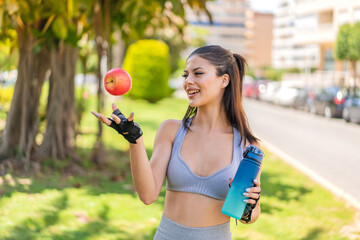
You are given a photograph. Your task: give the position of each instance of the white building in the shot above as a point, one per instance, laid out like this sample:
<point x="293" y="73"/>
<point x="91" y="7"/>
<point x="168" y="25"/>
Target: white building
<point x="305" y="32"/>
<point x="287" y="53"/>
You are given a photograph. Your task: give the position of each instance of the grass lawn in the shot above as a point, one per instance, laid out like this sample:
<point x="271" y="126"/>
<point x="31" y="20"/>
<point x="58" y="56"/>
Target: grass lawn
<point x="83" y="203"/>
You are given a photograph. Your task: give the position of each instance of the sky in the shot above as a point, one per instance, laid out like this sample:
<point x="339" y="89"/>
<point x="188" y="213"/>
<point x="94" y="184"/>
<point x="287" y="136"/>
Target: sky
<point x="263" y="5"/>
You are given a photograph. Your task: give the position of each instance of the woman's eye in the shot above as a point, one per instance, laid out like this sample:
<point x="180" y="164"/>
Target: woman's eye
<point x="196" y="74"/>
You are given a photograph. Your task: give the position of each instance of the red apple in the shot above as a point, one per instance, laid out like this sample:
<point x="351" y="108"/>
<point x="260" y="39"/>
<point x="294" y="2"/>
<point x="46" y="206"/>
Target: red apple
<point x="117" y="82"/>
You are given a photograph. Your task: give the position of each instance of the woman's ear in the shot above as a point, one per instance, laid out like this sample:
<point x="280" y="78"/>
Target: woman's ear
<point x="225" y="80"/>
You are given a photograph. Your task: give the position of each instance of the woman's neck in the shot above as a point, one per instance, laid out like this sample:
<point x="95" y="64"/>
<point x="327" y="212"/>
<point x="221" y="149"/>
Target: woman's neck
<point x="211" y="119"/>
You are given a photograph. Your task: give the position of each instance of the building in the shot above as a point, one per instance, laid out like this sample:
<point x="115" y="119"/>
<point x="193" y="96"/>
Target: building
<point x="237" y="28"/>
<point x="260" y="38"/>
<point x="318" y="23"/>
<point x="305" y="32"/>
<point x="288" y="53"/>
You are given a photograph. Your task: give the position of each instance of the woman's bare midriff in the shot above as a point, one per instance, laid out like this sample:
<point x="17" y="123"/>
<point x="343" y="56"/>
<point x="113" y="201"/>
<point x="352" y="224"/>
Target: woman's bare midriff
<point x="194" y="210"/>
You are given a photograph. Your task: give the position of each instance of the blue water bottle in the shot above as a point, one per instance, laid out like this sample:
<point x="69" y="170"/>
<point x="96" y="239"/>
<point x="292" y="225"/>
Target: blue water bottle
<point x="247" y="171"/>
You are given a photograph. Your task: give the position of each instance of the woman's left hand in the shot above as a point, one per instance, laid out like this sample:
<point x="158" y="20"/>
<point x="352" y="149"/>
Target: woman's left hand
<point x="253" y="193"/>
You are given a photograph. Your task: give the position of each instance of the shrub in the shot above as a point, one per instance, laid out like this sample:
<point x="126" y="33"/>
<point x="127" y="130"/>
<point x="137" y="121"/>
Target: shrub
<point x="147" y="61"/>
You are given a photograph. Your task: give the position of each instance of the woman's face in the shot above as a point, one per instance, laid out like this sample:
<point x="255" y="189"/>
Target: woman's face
<point x="201" y="83"/>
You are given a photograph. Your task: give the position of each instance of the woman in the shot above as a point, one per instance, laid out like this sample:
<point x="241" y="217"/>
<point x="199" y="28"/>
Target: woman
<point x="198" y="155"/>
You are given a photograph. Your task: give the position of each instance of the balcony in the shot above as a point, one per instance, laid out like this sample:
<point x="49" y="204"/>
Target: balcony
<point x="283" y="32"/>
<point x="281" y="12"/>
<point x="314" y="6"/>
<point x="324" y="33"/>
<point x="283" y="21"/>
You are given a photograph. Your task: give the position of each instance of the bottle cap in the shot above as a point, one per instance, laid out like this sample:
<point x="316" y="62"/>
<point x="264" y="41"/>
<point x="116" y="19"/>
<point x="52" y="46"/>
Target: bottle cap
<point x="253" y="149"/>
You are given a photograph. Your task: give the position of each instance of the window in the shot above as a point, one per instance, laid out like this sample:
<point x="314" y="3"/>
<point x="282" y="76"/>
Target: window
<point x="357" y="15"/>
<point x="343" y="17"/>
<point x="329" y="59"/>
<point x="306" y="22"/>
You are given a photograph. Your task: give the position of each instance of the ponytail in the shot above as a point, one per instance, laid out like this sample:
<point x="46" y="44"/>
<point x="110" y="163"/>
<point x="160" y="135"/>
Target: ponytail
<point x="237" y="110"/>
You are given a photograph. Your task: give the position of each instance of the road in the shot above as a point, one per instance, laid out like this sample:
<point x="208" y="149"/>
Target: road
<point x="328" y="147"/>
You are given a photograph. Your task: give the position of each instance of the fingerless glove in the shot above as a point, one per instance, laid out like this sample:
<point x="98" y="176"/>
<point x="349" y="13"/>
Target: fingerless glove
<point x="130" y="130"/>
<point x="248" y="211"/>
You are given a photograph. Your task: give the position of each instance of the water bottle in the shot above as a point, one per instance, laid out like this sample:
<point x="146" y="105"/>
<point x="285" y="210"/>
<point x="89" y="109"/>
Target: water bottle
<point x="247" y="171"/>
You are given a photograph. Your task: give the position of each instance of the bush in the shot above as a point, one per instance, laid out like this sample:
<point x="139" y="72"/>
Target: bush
<point x="147" y="61"/>
<point x="272" y="73"/>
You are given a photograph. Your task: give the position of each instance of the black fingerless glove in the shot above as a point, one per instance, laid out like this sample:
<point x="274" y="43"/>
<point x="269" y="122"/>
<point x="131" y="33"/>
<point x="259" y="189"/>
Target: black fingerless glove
<point x="130" y="130"/>
<point x="248" y="211"/>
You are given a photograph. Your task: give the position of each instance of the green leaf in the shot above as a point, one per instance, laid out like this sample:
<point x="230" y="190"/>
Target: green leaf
<point x="59" y="28"/>
<point x="354" y="42"/>
<point x="70" y="8"/>
<point x="37" y="48"/>
<point x="342" y="42"/>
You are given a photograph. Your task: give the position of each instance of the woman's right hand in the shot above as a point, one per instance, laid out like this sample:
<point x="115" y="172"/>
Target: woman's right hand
<point x="130" y="130"/>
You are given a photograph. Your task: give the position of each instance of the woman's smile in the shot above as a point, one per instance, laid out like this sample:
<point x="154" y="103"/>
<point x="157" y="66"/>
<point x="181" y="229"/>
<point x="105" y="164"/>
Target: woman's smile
<point x="191" y="92"/>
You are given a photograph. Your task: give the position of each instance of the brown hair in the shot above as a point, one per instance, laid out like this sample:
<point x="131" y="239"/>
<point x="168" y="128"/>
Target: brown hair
<point x="233" y="65"/>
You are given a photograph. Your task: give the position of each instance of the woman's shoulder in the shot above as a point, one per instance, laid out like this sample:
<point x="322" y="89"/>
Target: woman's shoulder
<point x="171" y="123"/>
<point x="170" y="127"/>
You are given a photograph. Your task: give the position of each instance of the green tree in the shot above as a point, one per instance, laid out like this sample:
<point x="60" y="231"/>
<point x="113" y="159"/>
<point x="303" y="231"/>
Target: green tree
<point x="47" y="35"/>
<point x="47" y="32"/>
<point x="62" y="39"/>
<point x="347" y="45"/>
<point x="354" y="46"/>
<point x="341" y="50"/>
<point x="8" y="51"/>
<point x="135" y="19"/>
<point x="26" y="18"/>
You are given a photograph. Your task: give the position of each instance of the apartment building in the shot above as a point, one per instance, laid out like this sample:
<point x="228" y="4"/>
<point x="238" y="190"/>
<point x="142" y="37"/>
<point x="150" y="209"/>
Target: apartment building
<point x="305" y="32"/>
<point x="237" y="28"/>
<point x="324" y="17"/>
<point x="259" y="39"/>
<point x="288" y="53"/>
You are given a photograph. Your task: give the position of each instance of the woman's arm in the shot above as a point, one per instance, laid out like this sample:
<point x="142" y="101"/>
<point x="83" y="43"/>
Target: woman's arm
<point x="148" y="176"/>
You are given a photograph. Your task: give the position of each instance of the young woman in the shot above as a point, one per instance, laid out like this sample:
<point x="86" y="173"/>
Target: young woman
<point x="198" y="155"/>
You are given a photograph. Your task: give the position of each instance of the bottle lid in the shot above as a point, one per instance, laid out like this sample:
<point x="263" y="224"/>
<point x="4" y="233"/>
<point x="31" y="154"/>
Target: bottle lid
<point x="256" y="150"/>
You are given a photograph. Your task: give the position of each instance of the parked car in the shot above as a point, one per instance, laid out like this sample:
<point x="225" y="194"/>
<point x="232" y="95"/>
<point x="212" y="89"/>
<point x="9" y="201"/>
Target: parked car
<point x="351" y="112"/>
<point x="254" y="89"/>
<point x="249" y="89"/>
<point x="260" y="88"/>
<point x="248" y="86"/>
<point x="268" y="94"/>
<point x="286" y="95"/>
<point x="329" y="101"/>
<point x="304" y="99"/>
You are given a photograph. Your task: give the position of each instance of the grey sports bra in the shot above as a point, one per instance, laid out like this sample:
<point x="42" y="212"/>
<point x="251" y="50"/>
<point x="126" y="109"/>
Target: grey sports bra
<point x="181" y="178"/>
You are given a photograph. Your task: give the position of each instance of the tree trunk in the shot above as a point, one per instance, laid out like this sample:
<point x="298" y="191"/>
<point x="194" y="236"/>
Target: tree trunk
<point x="118" y="51"/>
<point x="22" y="121"/>
<point x="353" y="72"/>
<point x="58" y="140"/>
<point x="80" y="104"/>
<point x="102" y="31"/>
<point x="98" y="149"/>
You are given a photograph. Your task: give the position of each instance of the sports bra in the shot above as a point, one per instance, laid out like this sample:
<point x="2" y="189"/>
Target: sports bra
<point x="181" y="178"/>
